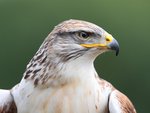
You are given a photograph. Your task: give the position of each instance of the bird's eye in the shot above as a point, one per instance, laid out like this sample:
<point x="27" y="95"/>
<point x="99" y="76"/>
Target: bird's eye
<point x="83" y="35"/>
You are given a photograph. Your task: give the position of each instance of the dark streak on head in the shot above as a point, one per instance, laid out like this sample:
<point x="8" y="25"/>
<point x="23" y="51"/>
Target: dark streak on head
<point x="33" y="76"/>
<point x="36" y="81"/>
<point x="38" y="57"/>
<point x="37" y="70"/>
<point x="43" y="60"/>
<point x="28" y="72"/>
<point x="73" y="55"/>
<point x="26" y="76"/>
<point x="34" y="64"/>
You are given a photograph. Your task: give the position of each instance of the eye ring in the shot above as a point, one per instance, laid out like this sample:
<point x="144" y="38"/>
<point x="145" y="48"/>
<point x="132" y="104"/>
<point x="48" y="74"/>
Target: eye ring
<point x="83" y="35"/>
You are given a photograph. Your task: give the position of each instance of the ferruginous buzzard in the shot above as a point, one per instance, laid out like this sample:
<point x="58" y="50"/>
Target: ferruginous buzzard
<point x="61" y="77"/>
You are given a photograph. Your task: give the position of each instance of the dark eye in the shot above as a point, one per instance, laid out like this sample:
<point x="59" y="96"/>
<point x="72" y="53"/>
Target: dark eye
<point x="83" y="35"/>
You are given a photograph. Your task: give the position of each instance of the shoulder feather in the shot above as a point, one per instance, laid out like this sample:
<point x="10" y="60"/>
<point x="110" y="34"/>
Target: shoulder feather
<point x="7" y="104"/>
<point x="119" y="103"/>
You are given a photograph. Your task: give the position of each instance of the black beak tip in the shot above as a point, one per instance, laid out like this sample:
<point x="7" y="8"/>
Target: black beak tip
<point x="117" y="52"/>
<point x="115" y="46"/>
<point x="116" y="49"/>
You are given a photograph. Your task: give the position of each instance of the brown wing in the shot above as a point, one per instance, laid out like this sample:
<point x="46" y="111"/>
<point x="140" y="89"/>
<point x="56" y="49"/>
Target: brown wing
<point x="7" y="104"/>
<point x="119" y="103"/>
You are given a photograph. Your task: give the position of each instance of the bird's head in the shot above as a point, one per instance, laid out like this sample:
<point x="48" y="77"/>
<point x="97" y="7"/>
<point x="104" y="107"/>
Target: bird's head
<point x="75" y="38"/>
<point x="72" y="45"/>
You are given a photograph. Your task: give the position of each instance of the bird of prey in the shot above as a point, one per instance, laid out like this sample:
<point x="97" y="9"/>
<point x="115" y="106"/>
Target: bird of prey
<point x="61" y="77"/>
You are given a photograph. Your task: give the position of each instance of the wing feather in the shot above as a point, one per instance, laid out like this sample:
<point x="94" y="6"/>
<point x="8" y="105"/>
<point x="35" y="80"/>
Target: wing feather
<point x="7" y="104"/>
<point x="119" y="103"/>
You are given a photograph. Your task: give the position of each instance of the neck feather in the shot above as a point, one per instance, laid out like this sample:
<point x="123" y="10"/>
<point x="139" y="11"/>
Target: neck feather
<point x="46" y="71"/>
<point x="47" y="68"/>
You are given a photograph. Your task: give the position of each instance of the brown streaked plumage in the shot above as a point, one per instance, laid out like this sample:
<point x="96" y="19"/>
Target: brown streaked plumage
<point x="61" y="77"/>
<point x="7" y="104"/>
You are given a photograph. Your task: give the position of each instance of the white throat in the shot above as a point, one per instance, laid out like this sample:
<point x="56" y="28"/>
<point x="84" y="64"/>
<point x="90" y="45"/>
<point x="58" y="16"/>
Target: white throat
<point x="78" y="70"/>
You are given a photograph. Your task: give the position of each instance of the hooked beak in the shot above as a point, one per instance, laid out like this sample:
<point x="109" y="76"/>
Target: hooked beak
<point x="114" y="46"/>
<point x="110" y="43"/>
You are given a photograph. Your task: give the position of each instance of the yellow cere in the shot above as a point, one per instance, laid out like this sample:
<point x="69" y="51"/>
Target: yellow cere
<point x="109" y="38"/>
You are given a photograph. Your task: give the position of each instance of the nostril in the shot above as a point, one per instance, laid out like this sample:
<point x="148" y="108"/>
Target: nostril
<point x="107" y="39"/>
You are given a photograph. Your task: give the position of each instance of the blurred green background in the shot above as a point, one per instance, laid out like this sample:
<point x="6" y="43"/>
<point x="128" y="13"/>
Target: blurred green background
<point x="25" y="24"/>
